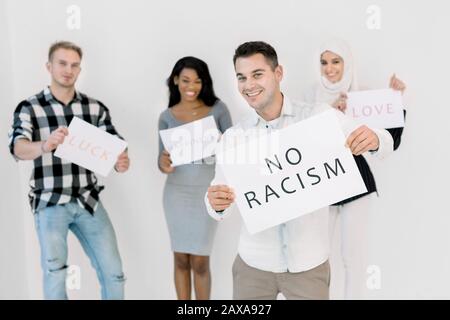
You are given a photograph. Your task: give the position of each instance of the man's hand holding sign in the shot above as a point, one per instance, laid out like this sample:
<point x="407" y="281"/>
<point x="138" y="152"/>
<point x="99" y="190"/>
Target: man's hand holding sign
<point x="123" y="162"/>
<point x="55" y="139"/>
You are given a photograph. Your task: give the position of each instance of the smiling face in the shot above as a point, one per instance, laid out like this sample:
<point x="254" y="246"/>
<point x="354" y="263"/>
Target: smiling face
<point x="189" y="85"/>
<point x="332" y="66"/>
<point x="258" y="82"/>
<point x="64" y="67"/>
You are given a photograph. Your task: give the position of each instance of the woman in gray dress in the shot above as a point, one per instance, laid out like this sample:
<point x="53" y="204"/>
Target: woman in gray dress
<point x="190" y="227"/>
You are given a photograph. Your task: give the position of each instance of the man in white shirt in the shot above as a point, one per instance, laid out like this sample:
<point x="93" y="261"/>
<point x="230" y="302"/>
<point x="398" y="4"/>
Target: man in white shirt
<point x="291" y="258"/>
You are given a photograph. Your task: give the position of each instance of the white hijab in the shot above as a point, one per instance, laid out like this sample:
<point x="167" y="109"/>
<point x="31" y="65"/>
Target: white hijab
<point x="327" y="92"/>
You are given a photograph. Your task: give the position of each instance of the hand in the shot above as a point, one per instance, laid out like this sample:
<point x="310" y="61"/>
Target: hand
<point x="165" y="163"/>
<point x="123" y="162"/>
<point x="220" y="197"/>
<point x="396" y="84"/>
<point x="361" y="140"/>
<point x="341" y="102"/>
<point x="56" y="138"/>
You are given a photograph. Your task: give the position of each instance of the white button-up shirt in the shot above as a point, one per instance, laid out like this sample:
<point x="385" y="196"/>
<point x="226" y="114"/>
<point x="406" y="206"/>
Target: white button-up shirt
<point x="302" y="243"/>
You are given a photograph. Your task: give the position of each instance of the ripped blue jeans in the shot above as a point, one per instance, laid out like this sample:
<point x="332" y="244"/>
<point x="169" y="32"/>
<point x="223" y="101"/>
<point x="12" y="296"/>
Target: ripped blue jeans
<point x="97" y="237"/>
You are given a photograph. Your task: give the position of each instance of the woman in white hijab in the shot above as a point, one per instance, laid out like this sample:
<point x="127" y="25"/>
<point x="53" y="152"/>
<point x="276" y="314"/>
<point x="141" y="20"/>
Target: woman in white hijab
<point x="336" y="78"/>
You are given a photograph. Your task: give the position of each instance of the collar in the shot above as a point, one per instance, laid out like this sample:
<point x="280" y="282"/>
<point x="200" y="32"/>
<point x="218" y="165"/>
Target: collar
<point x="48" y="95"/>
<point x="286" y="111"/>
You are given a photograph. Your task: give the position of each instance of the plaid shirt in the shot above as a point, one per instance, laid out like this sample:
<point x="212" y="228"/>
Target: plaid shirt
<point x="55" y="181"/>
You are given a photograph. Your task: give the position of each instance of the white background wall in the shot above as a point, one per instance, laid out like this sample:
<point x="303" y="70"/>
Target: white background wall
<point x="130" y="48"/>
<point x="13" y="282"/>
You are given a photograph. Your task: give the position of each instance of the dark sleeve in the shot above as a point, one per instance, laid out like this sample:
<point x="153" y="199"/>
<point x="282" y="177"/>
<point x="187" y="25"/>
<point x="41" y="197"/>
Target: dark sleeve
<point x="396" y="134"/>
<point x="105" y="123"/>
<point x="22" y="127"/>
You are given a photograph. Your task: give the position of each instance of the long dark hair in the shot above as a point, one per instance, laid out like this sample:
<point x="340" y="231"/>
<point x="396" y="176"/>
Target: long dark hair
<point x="207" y="94"/>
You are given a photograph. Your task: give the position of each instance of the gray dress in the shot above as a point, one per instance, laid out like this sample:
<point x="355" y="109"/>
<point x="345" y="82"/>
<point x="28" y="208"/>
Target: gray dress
<point x="191" y="229"/>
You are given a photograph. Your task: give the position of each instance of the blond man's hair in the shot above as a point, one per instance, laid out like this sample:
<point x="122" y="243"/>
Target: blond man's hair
<point x="64" y="45"/>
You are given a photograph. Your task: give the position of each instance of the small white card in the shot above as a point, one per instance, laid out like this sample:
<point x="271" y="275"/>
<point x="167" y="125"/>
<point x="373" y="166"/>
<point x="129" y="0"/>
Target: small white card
<point x="381" y="109"/>
<point x="190" y="142"/>
<point x="90" y="147"/>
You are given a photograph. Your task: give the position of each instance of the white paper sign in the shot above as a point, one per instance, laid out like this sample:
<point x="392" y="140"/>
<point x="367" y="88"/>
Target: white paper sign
<point x="382" y="109"/>
<point x="90" y="147"/>
<point x="309" y="168"/>
<point x="190" y="142"/>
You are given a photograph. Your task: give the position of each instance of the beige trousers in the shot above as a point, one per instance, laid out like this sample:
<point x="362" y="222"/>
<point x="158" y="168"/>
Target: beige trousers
<point x="253" y="284"/>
